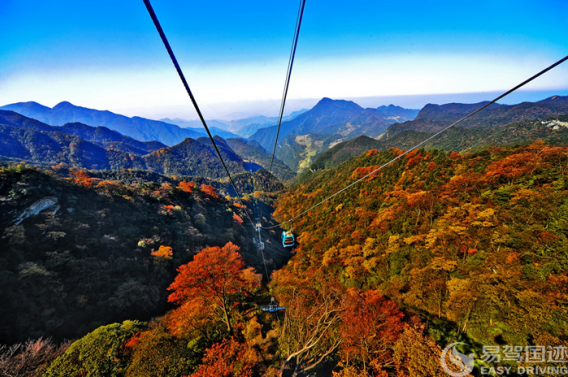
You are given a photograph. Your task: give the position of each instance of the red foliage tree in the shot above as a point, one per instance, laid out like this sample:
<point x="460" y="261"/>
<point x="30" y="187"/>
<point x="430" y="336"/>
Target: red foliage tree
<point x="218" y="279"/>
<point x="209" y="191"/>
<point x="370" y="325"/>
<point x="226" y="359"/>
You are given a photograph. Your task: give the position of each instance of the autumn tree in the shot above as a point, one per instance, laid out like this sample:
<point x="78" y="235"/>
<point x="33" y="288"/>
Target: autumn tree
<point x="112" y="187"/>
<point x="186" y="186"/>
<point x="216" y="278"/>
<point x="370" y="325"/>
<point x="157" y="352"/>
<point x="163" y="252"/>
<point x="417" y="355"/>
<point x="237" y="219"/>
<point x="309" y="334"/>
<point x="31" y="358"/>
<point x="209" y="191"/>
<point x="82" y="179"/>
<point x="226" y="359"/>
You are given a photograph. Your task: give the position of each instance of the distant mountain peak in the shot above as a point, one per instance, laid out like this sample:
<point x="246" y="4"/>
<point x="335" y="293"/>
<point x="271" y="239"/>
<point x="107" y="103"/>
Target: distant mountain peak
<point x="389" y="107"/>
<point x="64" y="104"/>
<point x="31" y="105"/>
<point x="326" y="101"/>
<point x="555" y="99"/>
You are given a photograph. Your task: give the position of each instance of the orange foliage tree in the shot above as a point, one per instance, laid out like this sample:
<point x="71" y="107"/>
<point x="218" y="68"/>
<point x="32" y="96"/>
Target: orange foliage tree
<point x="225" y="359"/>
<point x="186" y="186"/>
<point x="237" y="219"/>
<point x="209" y="191"/>
<point x="81" y="178"/>
<point x="216" y="278"/>
<point x="163" y="252"/>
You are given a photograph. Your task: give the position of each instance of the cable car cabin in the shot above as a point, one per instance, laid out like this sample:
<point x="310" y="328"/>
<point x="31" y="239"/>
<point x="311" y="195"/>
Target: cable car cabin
<point x="272" y="307"/>
<point x="288" y="239"/>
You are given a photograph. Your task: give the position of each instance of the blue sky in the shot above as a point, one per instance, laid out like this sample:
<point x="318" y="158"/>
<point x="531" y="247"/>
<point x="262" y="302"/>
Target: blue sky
<point x="107" y="54"/>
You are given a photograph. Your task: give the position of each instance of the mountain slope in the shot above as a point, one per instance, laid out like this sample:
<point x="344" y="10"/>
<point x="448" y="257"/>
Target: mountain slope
<point x="216" y="127"/>
<point x="195" y="158"/>
<point x="135" y="127"/>
<point x="553" y="130"/>
<point x="343" y="151"/>
<point x="474" y="245"/>
<point x="299" y="151"/>
<point x="252" y="151"/>
<point x="107" y="137"/>
<point x="83" y="256"/>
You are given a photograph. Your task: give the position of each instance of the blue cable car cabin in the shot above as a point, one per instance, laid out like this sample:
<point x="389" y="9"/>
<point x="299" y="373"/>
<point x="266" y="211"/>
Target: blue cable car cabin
<point x="288" y="239"/>
<point x="272" y="307"/>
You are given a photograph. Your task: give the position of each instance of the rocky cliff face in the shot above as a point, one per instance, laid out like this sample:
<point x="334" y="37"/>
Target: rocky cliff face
<point x="47" y="203"/>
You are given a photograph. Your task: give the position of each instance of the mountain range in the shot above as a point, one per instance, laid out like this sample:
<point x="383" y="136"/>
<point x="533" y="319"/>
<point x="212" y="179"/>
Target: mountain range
<point x="167" y="131"/>
<point x="136" y="127"/>
<point x="304" y="134"/>
<point x="505" y="125"/>
<point x="433" y="118"/>
<point x="80" y="145"/>
<point x="329" y="121"/>
<point x="322" y="137"/>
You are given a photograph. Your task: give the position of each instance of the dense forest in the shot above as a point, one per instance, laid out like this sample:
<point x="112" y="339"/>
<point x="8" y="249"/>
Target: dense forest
<point x="438" y="247"/>
<point x="80" y="251"/>
<point x="474" y="245"/>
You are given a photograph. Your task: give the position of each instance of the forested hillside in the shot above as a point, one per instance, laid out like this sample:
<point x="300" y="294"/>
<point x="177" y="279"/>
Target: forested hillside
<point x="475" y="244"/>
<point x="436" y="248"/>
<point x="88" y="250"/>
<point x="253" y="152"/>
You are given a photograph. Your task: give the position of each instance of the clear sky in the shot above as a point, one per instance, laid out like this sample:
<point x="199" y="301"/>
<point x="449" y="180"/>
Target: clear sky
<point x="107" y="54"/>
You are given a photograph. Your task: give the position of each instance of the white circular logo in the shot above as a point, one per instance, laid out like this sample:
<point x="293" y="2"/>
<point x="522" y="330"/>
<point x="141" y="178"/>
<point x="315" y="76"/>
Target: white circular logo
<point x="462" y="365"/>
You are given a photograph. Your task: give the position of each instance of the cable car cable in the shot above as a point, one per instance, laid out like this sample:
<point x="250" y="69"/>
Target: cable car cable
<point x="258" y="227"/>
<point x="288" y="74"/>
<point x="185" y="84"/>
<point x="424" y="141"/>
